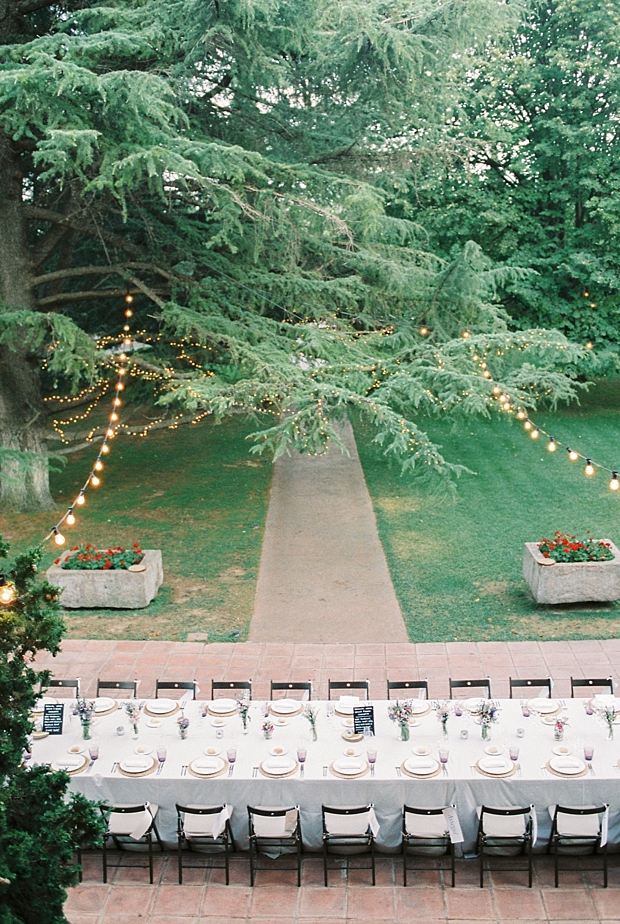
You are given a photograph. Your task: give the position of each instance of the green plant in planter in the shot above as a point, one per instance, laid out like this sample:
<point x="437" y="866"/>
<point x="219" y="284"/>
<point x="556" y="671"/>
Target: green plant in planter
<point x="89" y="558"/>
<point x="565" y="548"/>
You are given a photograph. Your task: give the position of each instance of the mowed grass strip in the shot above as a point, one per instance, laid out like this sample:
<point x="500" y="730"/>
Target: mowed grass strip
<point x="456" y="565"/>
<point x="196" y="494"/>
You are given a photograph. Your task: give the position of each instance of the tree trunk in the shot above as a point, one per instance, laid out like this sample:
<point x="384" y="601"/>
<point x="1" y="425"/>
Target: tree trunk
<point x="24" y="474"/>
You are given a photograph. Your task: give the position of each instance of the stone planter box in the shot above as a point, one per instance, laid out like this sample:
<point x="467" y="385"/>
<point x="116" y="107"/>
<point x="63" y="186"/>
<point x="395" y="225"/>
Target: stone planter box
<point x="575" y="582"/>
<point x="119" y="590"/>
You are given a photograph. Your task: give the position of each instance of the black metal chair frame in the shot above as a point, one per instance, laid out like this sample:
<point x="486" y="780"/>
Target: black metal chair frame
<point x="518" y="684"/>
<point x="416" y="685"/>
<point x="585" y="682"/>
<point x="118" y="685"/>
<point x="302" y="685"/>
<point x="410" y="840"/>
<point x="505" y="841"/>
<point x="555" y="841"/>
<point x="348" y="685"/>
<point x="175" y="685"/>
<point x="257" y="841"/>
<point x="231" y="686"/>
<point x="223" y="843"/>
<point x="65" y="685"/>
<point x="106" y="810"/>
<point x="345" y="840"/>
<point x="470" y="685"/>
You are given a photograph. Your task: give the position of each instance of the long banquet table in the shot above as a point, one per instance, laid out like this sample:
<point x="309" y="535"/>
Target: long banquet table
<point x="387" y="789"/>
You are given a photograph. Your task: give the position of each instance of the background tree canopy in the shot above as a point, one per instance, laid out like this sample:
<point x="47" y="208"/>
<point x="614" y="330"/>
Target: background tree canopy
<point x="291" y="191"/>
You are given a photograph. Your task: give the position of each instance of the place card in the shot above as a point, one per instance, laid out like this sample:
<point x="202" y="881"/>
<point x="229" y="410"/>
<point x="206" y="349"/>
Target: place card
<point x="53" y="718"/>
<point x="364" y="720"/>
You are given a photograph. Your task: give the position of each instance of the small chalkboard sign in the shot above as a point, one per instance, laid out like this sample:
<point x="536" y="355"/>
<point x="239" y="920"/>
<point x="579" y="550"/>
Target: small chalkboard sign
<point x="52" y="718"/>
<point x="364" y="720"/>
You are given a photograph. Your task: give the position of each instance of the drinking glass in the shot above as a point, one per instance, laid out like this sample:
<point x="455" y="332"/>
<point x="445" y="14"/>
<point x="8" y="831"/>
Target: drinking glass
<point x="371" y="753"/>
<point x="588" y="707"/>
<point x="266" y="709"/>
<point x="588" y="751"/>
<point x="514" y="752"/>
<point x="443" y="755"/>
<point x="329" y="709"/>
<point x="302" y="753"/>
<point x="231" y="754"/>
<point x="161" y="754"/>
<point x="93" y="751"/>
<point x="458" y="708"/>
<point x="525" y="709"/>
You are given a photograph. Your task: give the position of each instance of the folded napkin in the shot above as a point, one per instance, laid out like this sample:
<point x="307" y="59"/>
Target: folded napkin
<point x="137" y="764"/>
<point x="206" y="765"/>
<point x="68" y="764"/>
<point x="493" y="763"/>
<point x="567" y="762"/>
<point x="421" y="764"/>
<point x="345" y="764"/>
<point x="277" y="763"/>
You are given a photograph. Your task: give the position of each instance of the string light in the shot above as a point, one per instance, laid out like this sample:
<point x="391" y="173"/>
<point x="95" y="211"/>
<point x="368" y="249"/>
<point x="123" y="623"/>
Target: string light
<point x="70" y="518"/>
<point x="80" y="499"/>
<point x="98" y="466"/>
<point x="59" y="539"/>
<point x="589" y="469"/>
<point x="7" y="590"/>
<point x="535" y="433"/>
<point x="423" y="331"/>
<point x="572" y="455"/>
<point x="95" y="481"/>
<point x="551" y="446"/>
<point x="614" y="484"/>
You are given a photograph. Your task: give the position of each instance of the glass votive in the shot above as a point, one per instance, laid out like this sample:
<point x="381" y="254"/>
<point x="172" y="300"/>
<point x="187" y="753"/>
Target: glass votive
<point x="464" y="733"/>
<point x="120" y="730"/>
<point x="520" y="733"/>
<point x="588" y="707"/>
<point x="219" y="732"/>
<point x="588" y="751"/>
<point x="458" y="708"/>
<point x="525" y="709"/>
<point x="513" y="750"/>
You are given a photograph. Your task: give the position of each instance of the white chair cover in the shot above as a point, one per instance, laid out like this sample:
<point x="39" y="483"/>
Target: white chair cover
<point x="277" y="826"/>
<point x="132" y="824"/>
<point x="351" y="825"/>
<point x="205" y="825"/>
<point x="425" y="825"/>
<point x="504" y="825"/>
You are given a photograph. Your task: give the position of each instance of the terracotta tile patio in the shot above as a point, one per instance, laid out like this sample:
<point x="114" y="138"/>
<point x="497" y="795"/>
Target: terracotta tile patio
<point x="204" y="899"/>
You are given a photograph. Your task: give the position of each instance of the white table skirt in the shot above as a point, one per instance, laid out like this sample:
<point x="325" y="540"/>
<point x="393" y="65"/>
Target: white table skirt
<point x="463" y="786"/>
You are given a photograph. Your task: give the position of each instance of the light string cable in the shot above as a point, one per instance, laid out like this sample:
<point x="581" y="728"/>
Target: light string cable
<point x="94" y="479"/>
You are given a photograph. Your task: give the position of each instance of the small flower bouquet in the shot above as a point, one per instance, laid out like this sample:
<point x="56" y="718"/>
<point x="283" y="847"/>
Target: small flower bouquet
<point x="133" y="714"/>
<point x="311" y="714"/>
<point x="487" y="714"/>
<point x="85" y="709"/>
<point x="183" y="723"/>
<point x="565" y="548"/>
<point x="267" y="729"/>
<point x="244" y="709"/>
<point x="558" y="728"/>
<point x="609" y="715"/>
<point x="89" y="558"/>
<point x="400" y="711"/>
<point x="442" y="711"/>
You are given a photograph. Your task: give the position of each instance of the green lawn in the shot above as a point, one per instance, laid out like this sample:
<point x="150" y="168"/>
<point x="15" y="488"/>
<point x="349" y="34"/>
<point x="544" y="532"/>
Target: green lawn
<point x="456" y="566"/>
<point x="194" y="493"/>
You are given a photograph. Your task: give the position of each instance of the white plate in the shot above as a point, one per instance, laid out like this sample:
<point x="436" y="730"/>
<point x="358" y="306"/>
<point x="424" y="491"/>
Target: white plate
<point x="153" y="723"/>
<point x="493" y="750"/>
<point x="71" y="762"/>
<point x="208" y="764"/>
<point x="278" y="752"/>
<point x="161" y="706"/>
<point x="281" y="722"/>
<point x="348" y="723"/>
<point x="218" y="723"/>
<point x="103" y="703"/>
<point x="486" y="765"/>
<point x="212" y="752"/>
<point x="415" y="766"/>
<point x="136" y="765"/>
<point x="419" y="705"/>
<point x="340" y="765"/>
<point x="141" y="749"/>
<point x="578" y="768"/>
<point x="222" y="705"/>
<point x="77" y="749"/>
<point x="561" y="750"/>
<point x="345" y="708"/>
<point x="285" y="706"/>
<point x="352" y="752"/>
<point x="542" y="705"/>
<point x="472" y="704"/>
<point x="421" y="751"/>
<point x="279" y="771"/>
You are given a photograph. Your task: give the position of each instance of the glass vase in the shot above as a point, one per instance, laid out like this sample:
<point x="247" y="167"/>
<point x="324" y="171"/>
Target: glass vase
<point x="559" y="734"/>
<point x="610" y="731"/>
<point x="444" y="730"/>
<point x="486" y="732"/>
<point x="86" y="729"/>
<point x="404" y="731"/>
<point x="313" y="733"/>
<point x="183" y="733"/>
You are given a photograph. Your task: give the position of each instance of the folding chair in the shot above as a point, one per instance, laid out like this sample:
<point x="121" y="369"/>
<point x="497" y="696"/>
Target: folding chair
<point x="130" y="825"/>
<point x="73" y="686"/>
<point x="171" y="686"/>
<point x="425" y="834"/>
<point x="411" y="687"/>
<point x="348" y="832"/>
<point x="289" y="689"/>
<point x="205" y="829"/>
<point x="274" y="830"/>
<point x="230" y="686"/>
<point x="116" y="686"/>
<point x="528" y="686"/>
<point x="470" y="686"/>
<point x="578" y="683"/>
<point x="348" y="686"/>
<point x="579" y="832"/>
<point x="506" y="832"/>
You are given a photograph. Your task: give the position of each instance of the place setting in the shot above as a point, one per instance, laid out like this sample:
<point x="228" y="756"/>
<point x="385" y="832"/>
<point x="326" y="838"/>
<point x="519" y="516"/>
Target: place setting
<point x="138" y="766"/>
<point x="350" y="768"/>
<point x="104" y="705"/>
<point x="286" y="708"/>
<point x="161" y="708"/>
<point x="222" y="708"/>
<point x="208" y="766"/>
<point x="498" y="762"/>
<point x="280" y="766"/>
<point x="421" y="764"/>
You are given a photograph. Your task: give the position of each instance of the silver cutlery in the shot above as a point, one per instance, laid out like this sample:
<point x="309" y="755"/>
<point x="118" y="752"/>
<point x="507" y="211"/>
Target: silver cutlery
<point x="590" y="767"/>
<point x="301" y="771"/>
<point x="544" y="770"/>
<point x="325" y="769"/>
<point x="519" y="770"/>
<point x="114" y="767"/>
<point x="473" y="769"/>
<point x="372" y="769"/>
<point x="398" y="771"/>
<point x="231" y="769"/>
<point x="254" y="772"/>
<point x="184" y="770"/>
<point x="160" y="768"/>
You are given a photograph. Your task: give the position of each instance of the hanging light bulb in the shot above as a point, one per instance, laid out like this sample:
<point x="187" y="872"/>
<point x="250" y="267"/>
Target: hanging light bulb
<point x="551" y="445"/>
<point x="589" y="469"/>
<point x="7" y="590"/>
<point x="117" y="402"/>
<point x="528" y="424"/>
<point x="614" y="484"/>
<point x="80" y="499"/>
<point x="521" y="414"/>
<point x="98" y="465"/>
<point x="113" y="416"/>
<point x="589" y="345"/>
<point x="423" y="331"/>
<point x="59" y="539"/>
<point x="466" y="334"/>
<point x="119" y="386"/>
<point x="535" y="434"/>
<point x="70" y="518"/>
<point x="507" y="405"/>
<point x="486" y="374"/>
<point x="123" y="357"/>
<point x="95" y="481"/>
<point x="572" y="455"/>
<point x="122" y="370"/>
<point x="129" y="298"/>
<point x="109" y="433"/>
<point x="128" y="313"/>
<point x="496" y="389"/>
<point x="503" y="398"/>
<point x="127" y="341"/>
<point x="105" y="448"/>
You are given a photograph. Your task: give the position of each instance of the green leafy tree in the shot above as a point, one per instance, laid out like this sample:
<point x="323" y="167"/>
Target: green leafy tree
<point x="40" y="826"/>
<point x="236" y="166"/>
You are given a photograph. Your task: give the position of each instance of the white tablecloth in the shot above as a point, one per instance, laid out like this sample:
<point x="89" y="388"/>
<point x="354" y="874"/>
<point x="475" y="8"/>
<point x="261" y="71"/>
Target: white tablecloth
<point x="388" y="791"/>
